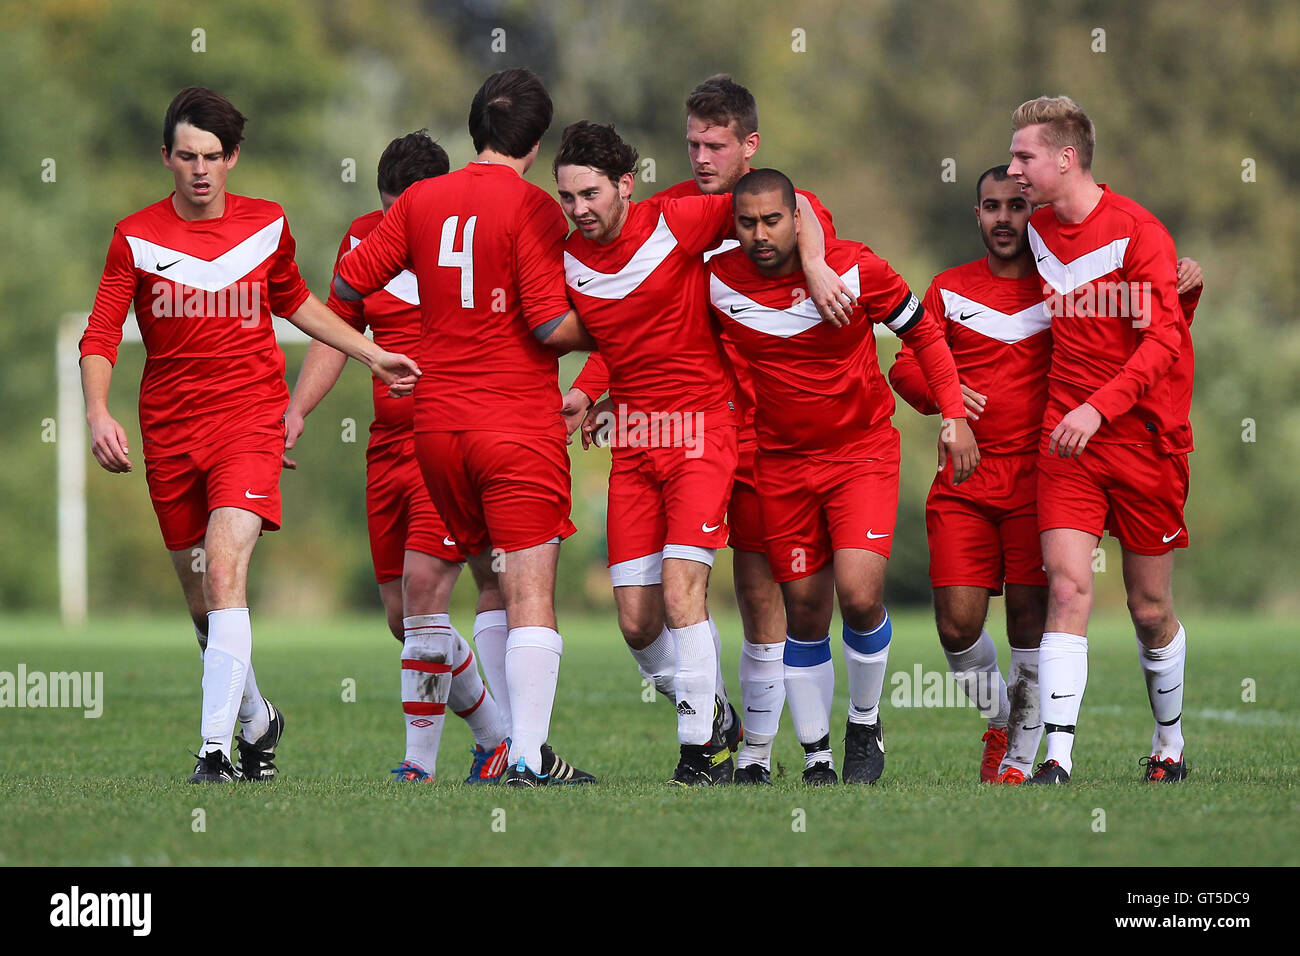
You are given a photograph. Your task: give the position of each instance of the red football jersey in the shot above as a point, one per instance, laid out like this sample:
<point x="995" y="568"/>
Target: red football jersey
<point x="818" y="388"/>
<point x="999" y="333"/>
<point x="642" y="298"/>
<point x="484" y="244"/>
<point x="204" y="292"/>
<point x="1117" y="328"/>
<point x="393" y="312"/>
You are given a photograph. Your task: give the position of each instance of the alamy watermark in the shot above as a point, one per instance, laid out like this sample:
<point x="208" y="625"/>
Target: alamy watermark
<point x="623" y="428"/>
<point x="81" y="690"/>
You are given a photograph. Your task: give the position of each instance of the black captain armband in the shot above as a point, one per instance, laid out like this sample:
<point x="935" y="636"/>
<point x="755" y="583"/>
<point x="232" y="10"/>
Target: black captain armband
<point x="546" y="329"/>
<point x="345" y="291"/>
<point x="904" y="318"/>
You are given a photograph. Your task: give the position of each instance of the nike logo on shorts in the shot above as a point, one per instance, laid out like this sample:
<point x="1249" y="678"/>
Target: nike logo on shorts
<point x="707" y="530"/>
<point x="249" y="494"/>
<point x="1166" y="538"/>
<point x="872" y="536"/>
<point x="448" y="542"/>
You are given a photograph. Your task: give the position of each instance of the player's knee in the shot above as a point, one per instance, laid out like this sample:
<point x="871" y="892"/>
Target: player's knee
<point x="1066" y="590"/>
<point x="861" y="612"/>
<point x="957" y="633"/>
<point x="638" y="634"/>
<point x="1151" y="615"/>
<point x="223" y="584"/>
<point x="395" y="624"/>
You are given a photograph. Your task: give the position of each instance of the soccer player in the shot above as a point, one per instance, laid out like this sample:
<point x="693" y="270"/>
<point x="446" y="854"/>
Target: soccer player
<point x="1116" y="436"/>
<point x="206" y="269"/>
<point x="416" y="560"/>
<point x="722" y="138"/>
<point x="485" y="247"/>
<point x="828" y="457"/>
<point x="983" y="533"/>
<point x="636" y="276"/>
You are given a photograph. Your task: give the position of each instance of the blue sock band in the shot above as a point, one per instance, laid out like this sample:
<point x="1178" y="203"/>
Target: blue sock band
<point x="807" y="653"/>
<point x="870" y="642"/>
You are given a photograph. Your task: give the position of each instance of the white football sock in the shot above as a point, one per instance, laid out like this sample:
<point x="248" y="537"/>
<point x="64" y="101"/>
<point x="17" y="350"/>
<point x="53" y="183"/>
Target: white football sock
<point x="976" y="671"/>
<point x="694" y="682"/>
<point x="426" y="682"/>
<point x="809" y="687"/>
<point x="720" y="685"/>
<point x="470" y="700"/>
<point x="490" y="634"/>
<point x="657" y="662"/>
<point x="762" y="690"/>
<point x="532" y="671"/>
<point x="254" y="717"/>
<point x="1025" y="722"/>
<point x="1163" y="668"/>
<point x="1062" y="678"/>
<point x="866" y="656"/>
<point x="225" y="664"/>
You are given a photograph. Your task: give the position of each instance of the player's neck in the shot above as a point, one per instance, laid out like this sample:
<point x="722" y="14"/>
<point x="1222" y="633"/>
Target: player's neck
<point x="214" y="209"/>
<point x="1078" y="202"/>
<point x="519" y="164"/>
<point x="1017" y="268"/>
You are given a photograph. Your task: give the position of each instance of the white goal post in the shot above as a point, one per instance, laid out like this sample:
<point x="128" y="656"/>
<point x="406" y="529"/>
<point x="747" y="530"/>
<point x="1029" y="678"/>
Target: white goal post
<point x="73" y="453"/>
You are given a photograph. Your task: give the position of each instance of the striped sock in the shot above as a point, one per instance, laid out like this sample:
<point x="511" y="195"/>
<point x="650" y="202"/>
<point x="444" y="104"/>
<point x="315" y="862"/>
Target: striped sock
<point x="426" y="682"/>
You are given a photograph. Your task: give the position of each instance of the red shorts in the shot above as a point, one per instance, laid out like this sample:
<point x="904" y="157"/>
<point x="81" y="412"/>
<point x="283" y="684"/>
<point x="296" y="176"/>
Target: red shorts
<point x="242" y="473"/>
<point x="814" y="506"/>
<point x="985" y="530"/>
<point x="744" y="515"/>
<point x="1131" y="491"/>
<point x="399" y="513"/>
<point x="498" y="490"/>
<point x="670" y="495"/>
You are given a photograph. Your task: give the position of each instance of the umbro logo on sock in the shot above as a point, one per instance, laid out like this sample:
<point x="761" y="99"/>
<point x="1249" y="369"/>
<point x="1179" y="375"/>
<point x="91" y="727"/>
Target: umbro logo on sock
<point x="684" y="709"/>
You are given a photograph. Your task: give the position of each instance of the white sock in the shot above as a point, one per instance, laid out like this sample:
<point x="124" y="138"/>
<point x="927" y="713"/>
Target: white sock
<point x="657" y="662"/>
<point x="225" y="664"/>
<point x="809" y="687"/>
<point x="490" y="635"/>
<point x="762" y="689"/>
<point x="719" y="684"/>
<point x="866" y="655"/>
<point x="1025" y="722"/>
<point x="1163" y="668"/>
<point x="1062" y="677"/>
<point x="976" y="670"/>
<point x="254" y="717"/>
<point x="532" y="671"/>
<point x="694" y="682"/>
<point x="470" y="700"/>
<point x="426" y="682"/>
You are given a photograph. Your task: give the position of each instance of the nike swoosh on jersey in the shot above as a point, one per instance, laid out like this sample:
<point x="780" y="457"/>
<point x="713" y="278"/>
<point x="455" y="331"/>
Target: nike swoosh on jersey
<point x="1066" y="277"/>
<point x="1008" y="327"/>
<point x="872" y="537"/>
<point x="249" y="494"/>
<point x="782" y="323"/>
<point x="210" y="275"/>
<point x="618" y="285"/>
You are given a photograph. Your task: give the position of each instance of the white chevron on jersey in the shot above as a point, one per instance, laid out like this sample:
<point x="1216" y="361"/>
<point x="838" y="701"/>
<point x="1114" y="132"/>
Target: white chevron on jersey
<point x="978" y="317"/>
<point x="402" y="286"/>
<point x="210" y="276"/>
<point x="727" y="246"/>
<point x="620" y="284"/>
<point x="784" y="323"/>
<point x="1066" y="277"/>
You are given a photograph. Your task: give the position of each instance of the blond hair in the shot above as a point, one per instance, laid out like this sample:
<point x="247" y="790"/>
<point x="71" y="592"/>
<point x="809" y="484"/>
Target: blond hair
<point x="1065" y="124"/>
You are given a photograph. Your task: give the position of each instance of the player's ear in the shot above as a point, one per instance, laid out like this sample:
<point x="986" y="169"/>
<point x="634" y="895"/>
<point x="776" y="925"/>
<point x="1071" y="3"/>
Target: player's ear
<point x="625" y="184"/>
<point x="234" y="158"/>
<point x="166" y="157"/>
<point x="751" y="144"/>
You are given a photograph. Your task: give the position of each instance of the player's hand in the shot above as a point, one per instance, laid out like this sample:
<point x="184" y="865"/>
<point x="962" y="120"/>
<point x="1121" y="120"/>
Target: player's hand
<point x="396" y="371"/>
<point x="957" y="441"/>
<point x="592" y="424"/>
<point x="1070" y="437"/>
<point x="574" y="412"/>
<point x="974" y="403"/>
<point x="1189" y="275"/>
<point x="293" y="426"/>
<point x="832" y="297"/>
<point x="108" y="445"/>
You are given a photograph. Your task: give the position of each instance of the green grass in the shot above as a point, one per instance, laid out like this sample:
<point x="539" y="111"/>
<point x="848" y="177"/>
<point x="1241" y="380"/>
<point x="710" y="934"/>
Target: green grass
<point x="111" y="791"/>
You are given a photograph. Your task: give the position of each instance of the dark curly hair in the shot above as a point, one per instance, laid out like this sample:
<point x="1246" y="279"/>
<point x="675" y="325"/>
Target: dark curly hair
<point x="590" y="144"/>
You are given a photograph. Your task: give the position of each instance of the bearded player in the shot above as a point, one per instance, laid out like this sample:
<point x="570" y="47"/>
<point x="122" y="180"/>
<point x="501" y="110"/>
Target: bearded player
<point x="205" y="270"/>
<point x="635" y="273"/>
<point x="722" y="138"/>
<point x="1115" y="436"/>
<point x="485" y="247"/>
<point x="828" y="456"/>
<point x="415" y="558"/>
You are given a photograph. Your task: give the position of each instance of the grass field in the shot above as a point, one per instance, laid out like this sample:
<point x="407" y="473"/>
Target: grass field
<point x="111" y="791"/>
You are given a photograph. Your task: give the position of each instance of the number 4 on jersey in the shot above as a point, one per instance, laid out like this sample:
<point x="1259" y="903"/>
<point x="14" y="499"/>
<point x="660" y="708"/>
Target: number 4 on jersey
<point x="462" y="259"/>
